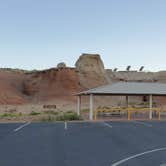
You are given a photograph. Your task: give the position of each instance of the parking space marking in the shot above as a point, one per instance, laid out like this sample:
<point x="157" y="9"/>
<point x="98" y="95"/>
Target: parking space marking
<point x="22" y="126"/>
<point x="163" y="164"/>
<point x="137" y="155"/>
<point x="65" y="125"/>
<point x="142" y="123"/>
<point x="107" y="124"/>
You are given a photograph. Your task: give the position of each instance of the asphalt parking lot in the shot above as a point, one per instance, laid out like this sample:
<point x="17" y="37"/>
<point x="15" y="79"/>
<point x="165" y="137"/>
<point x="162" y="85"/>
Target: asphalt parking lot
<point x="134" y="143"/>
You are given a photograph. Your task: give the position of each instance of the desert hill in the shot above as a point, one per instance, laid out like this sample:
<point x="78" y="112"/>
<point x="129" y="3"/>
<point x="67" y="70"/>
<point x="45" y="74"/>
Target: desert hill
<point x="60" y="83"/>
<point x="11" y="87"/>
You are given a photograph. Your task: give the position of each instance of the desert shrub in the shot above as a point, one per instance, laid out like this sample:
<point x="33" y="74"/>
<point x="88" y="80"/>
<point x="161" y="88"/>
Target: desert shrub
<point x="51" y="112"/>
<point x="62" y="116"/>
<point x="68" y="117"/>
<point x="5" y="115"/>
<point x="34" y="113"/>
<point x="20" y="114"/>
<point x="10" y="115"/>
<point x="48" y="118"/>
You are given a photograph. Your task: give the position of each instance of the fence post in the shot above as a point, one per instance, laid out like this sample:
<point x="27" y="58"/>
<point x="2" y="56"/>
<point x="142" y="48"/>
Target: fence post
<point x="129" y="115"/>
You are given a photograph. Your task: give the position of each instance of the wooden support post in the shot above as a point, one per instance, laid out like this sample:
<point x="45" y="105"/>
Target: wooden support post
<point x="129" y="115"/>
<point x="159" y="117"/>
<point x="127" y="101"/>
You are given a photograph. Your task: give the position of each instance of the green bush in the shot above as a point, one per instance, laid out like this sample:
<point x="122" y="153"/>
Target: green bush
<point x="68" y="116"/>
<point x="10" y="115"/>
<point x="6" y="115"/>
<point x="34" y="113"/>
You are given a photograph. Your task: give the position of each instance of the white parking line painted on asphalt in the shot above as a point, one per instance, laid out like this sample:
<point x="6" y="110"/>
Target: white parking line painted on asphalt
<point x="107" y="124"/>
<point x="163" y="165"/>
<point x="22" y="126"/>
<point x="142" y="123"/>
<point x="65" y="125"/>
<point x="137" y="155"/>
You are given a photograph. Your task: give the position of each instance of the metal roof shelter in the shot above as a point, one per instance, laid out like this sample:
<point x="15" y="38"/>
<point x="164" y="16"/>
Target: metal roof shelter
<point x="124" y="89"/>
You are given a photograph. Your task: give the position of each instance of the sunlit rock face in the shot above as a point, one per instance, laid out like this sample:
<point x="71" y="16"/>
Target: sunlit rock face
<point x="90" y="63"/>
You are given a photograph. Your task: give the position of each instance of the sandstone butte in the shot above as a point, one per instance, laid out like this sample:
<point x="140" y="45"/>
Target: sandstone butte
<point x="57" y="85"/>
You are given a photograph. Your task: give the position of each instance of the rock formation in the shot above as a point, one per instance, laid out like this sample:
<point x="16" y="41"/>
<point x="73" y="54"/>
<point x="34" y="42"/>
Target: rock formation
<point x="91" y="70"/>
<point x="57" y="85"/>
<point x="11" y="87"/>
<point x="61" y="65"/>
<point x="51" y="84"/>
<point x="90" y="63"/>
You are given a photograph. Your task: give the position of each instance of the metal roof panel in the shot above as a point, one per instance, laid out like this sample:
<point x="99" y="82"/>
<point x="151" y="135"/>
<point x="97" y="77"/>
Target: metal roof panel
<point x="128" y="88"/>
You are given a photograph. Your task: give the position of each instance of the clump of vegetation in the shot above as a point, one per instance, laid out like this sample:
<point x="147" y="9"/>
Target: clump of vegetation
<point x="48" y="118"/>
<point x="34" y="113"/>
<point x="10" y="115"/>
<point x="51" y="112"/>
<point x="68" y="116"/>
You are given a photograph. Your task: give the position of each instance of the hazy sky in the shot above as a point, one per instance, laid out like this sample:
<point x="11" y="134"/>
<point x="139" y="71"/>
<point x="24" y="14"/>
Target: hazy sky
<point x="40" y="33"/>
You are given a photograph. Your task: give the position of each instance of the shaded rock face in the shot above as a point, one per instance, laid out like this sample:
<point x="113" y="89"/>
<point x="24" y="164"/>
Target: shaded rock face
<point x="90" y="63"/>
<point x="52" y="84"/>
<point x="31" y="86"/>
<point x="11" y="87"/>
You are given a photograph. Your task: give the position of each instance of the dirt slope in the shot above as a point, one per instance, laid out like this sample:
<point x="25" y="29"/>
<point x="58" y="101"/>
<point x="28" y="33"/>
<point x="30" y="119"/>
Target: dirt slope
<point x="52" y="84"/>
<point x="11" y="87"/>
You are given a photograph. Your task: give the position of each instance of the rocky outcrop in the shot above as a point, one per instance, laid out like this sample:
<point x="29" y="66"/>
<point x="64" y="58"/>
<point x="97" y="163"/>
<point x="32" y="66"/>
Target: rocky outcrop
<point x="11" y="87"/>
<point x="131" y="76"/>
<point x="52" y="84"/>
<point x="160" y="76"/>
<point x="59" y="84"/>
<point x="90" y="63"/>
<point x="61" y="65"/>
<point x="91" y="70"/>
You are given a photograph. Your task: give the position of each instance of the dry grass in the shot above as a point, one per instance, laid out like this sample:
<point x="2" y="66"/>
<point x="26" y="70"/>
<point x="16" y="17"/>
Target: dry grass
<point x="46" y="116"/>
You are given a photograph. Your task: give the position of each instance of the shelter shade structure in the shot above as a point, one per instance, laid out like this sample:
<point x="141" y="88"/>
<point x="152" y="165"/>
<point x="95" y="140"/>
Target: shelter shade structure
<point x="124" y="89"/>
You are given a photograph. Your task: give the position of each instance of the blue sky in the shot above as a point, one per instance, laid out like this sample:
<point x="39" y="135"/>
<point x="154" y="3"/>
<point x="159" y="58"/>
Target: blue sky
<point x="37" y="34"/>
